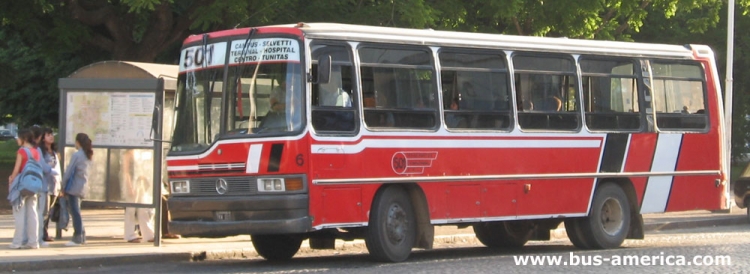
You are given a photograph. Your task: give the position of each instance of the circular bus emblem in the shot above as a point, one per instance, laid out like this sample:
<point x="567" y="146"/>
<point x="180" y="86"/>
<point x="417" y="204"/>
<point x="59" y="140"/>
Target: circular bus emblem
<point x="398" y="162"/>
<point x="222" y="186"/>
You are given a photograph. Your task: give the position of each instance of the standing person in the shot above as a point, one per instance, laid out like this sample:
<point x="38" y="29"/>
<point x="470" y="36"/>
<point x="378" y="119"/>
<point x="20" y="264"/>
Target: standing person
<point x="43" y="198"/>
<point x="24" y="206"/>
<point x="74" y="184"/>
<point x="138" y="191"/>
<point x="53" y="179"/>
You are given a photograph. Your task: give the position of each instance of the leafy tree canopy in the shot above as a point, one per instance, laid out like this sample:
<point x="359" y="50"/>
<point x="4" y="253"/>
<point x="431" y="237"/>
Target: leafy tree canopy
<point x="44" y="40"/>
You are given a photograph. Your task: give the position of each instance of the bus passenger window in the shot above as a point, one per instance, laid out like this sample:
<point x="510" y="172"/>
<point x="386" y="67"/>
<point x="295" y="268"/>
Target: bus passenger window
<point x="332" y="109"/>
<point x="398" y="84"/>
<point x="546" y="91"/>
<point x="476" y="93"/>
<point x="610" y="94"/>
<point x="679" y="90"/>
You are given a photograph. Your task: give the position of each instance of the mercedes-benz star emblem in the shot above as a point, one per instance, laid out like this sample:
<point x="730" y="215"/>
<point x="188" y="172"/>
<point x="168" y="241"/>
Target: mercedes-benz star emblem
<point x="222" y="186"/>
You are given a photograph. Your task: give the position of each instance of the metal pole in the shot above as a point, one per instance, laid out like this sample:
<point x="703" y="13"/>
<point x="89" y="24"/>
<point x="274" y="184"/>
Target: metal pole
<point x="728" y="99"/>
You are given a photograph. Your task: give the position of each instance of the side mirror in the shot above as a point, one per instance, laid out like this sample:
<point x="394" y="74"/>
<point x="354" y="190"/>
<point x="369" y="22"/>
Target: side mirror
<point x="324" y="70"/>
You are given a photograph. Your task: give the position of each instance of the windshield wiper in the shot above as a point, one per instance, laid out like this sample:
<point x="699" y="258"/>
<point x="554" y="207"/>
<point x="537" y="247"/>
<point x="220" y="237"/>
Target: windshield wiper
<point x="208" y="94"/>
<point x="240" y="70"/>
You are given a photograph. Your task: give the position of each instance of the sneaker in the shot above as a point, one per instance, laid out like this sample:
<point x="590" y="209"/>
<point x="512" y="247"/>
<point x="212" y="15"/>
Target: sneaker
<point x="44" y="244"/>
<point x="72" y="243"/>
<point x="12" y="246"/>
<point x="30" y="247"/>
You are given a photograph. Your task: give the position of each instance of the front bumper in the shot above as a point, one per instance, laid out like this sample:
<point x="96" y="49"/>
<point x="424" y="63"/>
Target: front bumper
<point x="237" y="215"/>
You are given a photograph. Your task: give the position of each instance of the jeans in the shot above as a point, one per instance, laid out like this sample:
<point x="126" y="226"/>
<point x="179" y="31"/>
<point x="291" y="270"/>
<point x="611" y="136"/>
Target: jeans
<point x="74" y="206"/>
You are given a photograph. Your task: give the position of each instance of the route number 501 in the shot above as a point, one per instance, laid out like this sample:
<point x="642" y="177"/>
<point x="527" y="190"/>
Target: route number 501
<point x="198" y="56"/>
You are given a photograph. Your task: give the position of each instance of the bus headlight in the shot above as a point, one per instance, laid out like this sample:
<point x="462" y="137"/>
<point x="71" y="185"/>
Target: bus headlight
<point x="180" y="187"/>
<point x="271" y="184"/>
<point x="280" y="184"/>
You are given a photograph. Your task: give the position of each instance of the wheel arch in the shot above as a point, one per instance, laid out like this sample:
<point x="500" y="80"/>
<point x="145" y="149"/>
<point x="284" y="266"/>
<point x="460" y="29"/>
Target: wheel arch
<point x="636" y="219"/>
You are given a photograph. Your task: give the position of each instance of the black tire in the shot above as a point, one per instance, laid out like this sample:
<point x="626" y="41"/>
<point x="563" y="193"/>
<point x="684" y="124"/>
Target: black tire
<point x="277" y="247"/>
<point x="392" y="228"/>
<point x="575" y="234"/>
<point x="504" y="234"/>
<point x="609" y="221"/>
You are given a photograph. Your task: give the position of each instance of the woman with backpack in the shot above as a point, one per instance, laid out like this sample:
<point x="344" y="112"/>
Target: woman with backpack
<point x="74" y="185"/>
<point x="24" y="204"/>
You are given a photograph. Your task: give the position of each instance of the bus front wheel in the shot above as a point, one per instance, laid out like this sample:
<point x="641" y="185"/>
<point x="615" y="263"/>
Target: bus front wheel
<point x="391" y="231"/>
<point x="276" y="247"/>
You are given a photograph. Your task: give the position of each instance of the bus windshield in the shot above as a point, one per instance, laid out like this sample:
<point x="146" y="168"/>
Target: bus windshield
<point x="263" y="87"/>
<point x="265" y="99"/>
<point x="197" y="110"/>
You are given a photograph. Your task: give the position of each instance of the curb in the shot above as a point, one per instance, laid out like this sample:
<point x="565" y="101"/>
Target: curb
<point x="93" y="262"/>
<point x="724" y="221"/>
<point x="246" y="253"/>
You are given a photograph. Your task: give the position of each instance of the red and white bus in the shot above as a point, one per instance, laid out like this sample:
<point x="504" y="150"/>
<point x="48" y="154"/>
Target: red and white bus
<point x="330" y="131"/>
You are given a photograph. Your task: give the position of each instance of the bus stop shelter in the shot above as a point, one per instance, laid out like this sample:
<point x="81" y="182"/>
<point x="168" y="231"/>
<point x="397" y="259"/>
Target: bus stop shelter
<point x="121" y="106"/>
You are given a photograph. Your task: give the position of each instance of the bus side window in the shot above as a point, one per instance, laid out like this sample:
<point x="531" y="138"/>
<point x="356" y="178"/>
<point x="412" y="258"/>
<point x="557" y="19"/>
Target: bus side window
<point x="546" y="92"/>
<point x="398" y="87"/>
<point x="476" y="93"/>
<point x="333" y="110"/>
<point x="610" y="93"/>
<point x="679" y="90"/>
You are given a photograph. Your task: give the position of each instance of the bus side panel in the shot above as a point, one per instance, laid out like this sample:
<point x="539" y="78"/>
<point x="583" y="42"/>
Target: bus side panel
<point x="639" y="158"/>
<point x="341" y="205"/>
<point x="698" y="152"/>
<point x="436" y="199"/>
<point x="558" y="196"/>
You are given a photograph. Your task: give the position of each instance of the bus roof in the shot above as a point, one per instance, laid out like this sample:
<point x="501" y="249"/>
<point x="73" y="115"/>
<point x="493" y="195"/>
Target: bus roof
<point x="483" y="40"/>
<point x="429" y="37"/>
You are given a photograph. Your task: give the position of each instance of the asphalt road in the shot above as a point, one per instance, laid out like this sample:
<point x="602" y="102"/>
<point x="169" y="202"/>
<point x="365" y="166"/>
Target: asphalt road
<point x="670" y="252"/>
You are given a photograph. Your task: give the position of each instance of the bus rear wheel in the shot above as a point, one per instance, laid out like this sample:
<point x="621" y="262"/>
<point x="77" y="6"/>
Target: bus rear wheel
<point x="277" y="247"/>
<point x="392" y="228"/>
<point x="609" y="220"/>
<point x="504" y="234"/>
<point x="575" y="233"/>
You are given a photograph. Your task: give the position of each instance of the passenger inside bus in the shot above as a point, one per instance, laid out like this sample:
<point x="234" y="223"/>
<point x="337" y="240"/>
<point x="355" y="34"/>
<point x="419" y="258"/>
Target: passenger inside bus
<point x="379" y="118"/>
<point x="453" y="120"/>
<point x="549" y="104"/>
<point x="332" y="94"/>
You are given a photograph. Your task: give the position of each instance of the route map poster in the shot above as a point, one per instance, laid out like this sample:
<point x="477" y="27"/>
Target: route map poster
<point x="110" y="118"/>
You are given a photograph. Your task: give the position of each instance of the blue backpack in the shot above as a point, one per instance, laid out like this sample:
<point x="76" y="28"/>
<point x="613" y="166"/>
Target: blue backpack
<point x="31" y="177"/>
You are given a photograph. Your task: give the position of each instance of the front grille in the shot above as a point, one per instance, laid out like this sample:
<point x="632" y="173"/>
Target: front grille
<point x="237" y="186"/>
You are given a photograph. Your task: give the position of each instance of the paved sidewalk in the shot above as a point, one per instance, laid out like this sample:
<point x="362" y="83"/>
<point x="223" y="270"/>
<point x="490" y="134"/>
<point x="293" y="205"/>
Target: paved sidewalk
<point x="105" y="244"/>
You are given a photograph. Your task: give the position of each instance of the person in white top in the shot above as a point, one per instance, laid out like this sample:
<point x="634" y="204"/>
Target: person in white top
<point x="335" y="98"/>
<point x="139" y="190"/>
